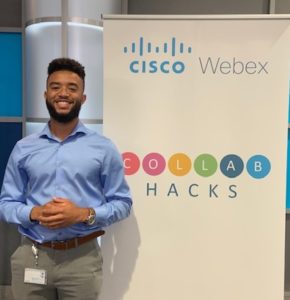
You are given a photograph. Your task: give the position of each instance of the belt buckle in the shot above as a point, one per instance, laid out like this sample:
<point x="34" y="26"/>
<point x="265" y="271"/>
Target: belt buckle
<point x="68" y="244"/>
<point x="71" y="243"/>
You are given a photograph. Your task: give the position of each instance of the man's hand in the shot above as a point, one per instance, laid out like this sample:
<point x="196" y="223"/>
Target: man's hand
<point x="59" y="213"/>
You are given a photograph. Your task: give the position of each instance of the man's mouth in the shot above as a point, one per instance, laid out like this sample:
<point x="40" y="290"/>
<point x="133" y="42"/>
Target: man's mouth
<point x="63" y="103"/>
<point x="63" y="100"/>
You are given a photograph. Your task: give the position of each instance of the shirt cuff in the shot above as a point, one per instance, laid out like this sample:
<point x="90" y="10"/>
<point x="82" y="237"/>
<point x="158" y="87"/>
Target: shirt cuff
<point x="102" y="217"/>
<point x="24" y="217"/>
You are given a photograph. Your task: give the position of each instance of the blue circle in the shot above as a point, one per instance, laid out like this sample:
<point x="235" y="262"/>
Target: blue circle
<point x="232" y="165"/>
<point x="258" y="166"/>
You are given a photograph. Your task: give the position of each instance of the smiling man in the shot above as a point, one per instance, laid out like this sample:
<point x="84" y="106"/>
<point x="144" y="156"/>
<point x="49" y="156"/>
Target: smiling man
<point x="64" y="95"/>
<point x="62" y="186"/>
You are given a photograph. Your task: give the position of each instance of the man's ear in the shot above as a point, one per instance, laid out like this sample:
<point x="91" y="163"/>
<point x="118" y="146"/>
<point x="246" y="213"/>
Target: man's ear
<point x="84" y="98"/>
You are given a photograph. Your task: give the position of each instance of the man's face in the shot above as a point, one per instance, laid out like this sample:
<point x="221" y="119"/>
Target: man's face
<point x="64" y="95"/>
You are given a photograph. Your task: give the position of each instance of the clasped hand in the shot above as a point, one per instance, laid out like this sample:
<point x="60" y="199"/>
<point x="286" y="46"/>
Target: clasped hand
<point x="58" y="213"/>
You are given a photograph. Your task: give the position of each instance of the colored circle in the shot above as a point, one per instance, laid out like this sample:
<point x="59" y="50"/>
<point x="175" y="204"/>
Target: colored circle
<point x="131" y="163"/>
<point x="258" y="166"/>
<point x="205" y="165"/>
<point x="179" y="164"/>
<point x="232" y="165"/>
<point x="154" y="164"/>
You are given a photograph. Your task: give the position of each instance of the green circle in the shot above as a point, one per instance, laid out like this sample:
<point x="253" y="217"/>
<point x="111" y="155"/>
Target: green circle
<point x="205" y="165"/>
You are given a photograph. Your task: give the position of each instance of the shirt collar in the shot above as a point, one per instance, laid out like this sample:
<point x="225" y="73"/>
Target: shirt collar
<point x="79" y="129"/>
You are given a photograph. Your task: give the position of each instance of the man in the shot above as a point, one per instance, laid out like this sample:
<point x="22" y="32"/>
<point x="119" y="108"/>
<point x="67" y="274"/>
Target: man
<point x="62" y="187"/>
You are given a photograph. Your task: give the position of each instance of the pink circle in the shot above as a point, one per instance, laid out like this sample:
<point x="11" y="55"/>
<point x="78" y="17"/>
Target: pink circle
<point x="131" y="163"/>
<point x="153" y="164"/>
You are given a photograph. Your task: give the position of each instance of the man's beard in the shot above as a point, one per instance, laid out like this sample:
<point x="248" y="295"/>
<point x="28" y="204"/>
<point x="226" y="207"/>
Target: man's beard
<point x="64" y="118"/>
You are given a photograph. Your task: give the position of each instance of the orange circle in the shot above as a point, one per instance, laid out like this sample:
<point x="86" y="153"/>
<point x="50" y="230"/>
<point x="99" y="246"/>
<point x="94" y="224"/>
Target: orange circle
<point x="179" y="164"/>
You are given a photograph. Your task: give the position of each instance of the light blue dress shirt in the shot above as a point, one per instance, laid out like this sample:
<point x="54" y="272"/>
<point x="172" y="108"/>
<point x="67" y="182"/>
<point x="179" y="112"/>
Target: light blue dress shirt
<point x="85" y="168"/>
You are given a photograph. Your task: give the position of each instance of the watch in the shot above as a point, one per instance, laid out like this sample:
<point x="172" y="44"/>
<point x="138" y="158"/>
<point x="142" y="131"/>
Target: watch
<point x="91" y="217"/>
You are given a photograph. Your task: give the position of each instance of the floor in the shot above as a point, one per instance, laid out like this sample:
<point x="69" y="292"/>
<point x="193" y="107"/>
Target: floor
<point x="5" y="294"/>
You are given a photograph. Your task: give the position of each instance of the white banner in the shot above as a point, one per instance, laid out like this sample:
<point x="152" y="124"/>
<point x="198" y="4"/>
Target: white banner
<point x="198" y="107"/>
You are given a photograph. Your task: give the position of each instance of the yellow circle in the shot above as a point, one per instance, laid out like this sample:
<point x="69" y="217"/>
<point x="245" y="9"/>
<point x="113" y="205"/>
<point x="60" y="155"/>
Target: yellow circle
<point x="179" y="164"/>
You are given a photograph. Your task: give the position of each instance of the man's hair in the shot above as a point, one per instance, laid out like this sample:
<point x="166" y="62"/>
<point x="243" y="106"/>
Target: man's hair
<point x="66" y="64"/>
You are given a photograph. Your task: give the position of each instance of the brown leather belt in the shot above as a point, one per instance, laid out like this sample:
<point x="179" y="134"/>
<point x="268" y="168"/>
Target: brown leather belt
<point x="71" y="243"/>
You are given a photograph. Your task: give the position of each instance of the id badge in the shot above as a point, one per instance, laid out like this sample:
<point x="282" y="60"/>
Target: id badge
<point x="35" y="276"/>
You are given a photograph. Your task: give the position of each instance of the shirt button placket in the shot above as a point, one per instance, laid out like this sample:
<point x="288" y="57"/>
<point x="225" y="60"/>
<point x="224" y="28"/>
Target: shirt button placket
<point x="57" y="171"/>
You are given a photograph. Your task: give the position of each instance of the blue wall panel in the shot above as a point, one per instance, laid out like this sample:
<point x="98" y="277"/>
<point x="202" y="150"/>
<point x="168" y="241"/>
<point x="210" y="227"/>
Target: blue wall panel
<point x="289" y="105"/>
<point x="10" y="133"/>
<point x="11" y="74"/>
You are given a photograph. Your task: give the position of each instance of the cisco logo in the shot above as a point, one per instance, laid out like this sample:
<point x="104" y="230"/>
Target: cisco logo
<point x="144" y="49"/>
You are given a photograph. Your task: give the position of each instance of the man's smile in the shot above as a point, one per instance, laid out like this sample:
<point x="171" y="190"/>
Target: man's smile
<point x="63" y="103"/>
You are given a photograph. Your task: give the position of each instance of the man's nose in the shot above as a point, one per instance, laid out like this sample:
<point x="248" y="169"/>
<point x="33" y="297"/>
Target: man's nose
<point x="64" y="92"/>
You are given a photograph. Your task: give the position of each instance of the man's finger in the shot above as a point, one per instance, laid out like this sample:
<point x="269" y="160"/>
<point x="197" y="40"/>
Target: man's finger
<point x="60" y="200"/>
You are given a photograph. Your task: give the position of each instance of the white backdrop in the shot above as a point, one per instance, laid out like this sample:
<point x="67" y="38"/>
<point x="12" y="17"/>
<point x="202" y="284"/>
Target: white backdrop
<point x="199" y="109"/>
